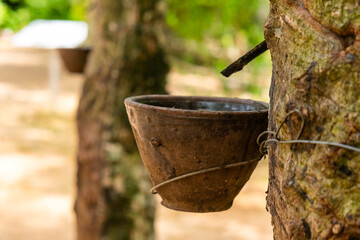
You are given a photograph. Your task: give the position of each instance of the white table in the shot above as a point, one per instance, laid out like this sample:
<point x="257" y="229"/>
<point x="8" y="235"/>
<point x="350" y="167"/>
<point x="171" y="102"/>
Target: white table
<point x="52" y="34"/>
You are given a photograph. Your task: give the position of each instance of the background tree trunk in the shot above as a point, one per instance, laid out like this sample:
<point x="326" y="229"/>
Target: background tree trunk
<point x="113" y="199"/>
<point x="314" y="191"/>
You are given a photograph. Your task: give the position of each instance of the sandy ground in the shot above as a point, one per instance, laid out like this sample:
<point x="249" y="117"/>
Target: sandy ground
<point x="37" y="163"/>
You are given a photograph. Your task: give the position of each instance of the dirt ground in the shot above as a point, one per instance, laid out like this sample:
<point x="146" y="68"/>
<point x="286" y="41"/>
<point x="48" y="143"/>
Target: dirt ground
<point x="37" y="160"/>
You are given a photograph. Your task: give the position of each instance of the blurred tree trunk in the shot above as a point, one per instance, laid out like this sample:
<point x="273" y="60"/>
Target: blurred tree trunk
<point x="113" y="200"/>
<point x="314" y="190"/>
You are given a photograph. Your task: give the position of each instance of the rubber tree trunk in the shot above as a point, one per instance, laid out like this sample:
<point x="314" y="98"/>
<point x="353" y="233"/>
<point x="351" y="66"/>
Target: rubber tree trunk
<point x="314" y="190"/>
<point x="113" y="200"/>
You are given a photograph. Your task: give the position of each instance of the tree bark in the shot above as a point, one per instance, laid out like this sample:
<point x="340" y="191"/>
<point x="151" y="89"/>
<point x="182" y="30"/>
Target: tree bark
<point x="113" y="200"/>
<point x="314" y="191"/>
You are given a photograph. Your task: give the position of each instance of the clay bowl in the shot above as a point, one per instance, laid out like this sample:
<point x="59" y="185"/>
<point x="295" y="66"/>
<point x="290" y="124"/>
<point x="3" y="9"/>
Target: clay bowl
<point x="177" y="135"/>
<point x="74" y="58"/>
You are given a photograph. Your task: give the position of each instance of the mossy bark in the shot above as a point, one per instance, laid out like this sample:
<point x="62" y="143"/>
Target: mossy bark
<point x="113" y="200"/>
<point x="314" y="190"/>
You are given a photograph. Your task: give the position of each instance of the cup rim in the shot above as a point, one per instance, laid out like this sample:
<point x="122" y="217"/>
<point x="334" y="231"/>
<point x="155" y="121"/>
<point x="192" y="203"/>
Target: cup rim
<point x="134" y="102"/>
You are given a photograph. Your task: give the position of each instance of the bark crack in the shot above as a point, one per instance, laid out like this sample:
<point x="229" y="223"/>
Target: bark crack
<point x="300" y="7"/>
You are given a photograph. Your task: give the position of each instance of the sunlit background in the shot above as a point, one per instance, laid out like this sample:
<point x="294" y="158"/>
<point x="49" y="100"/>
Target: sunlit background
<point x="39" y="97"/>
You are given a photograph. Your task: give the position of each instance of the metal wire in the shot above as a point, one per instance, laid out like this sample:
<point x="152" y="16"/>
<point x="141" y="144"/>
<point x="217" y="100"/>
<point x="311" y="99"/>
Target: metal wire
<point x="297" y="140"/>
<point x="287" y="115"/>
<point x="153" y="190"/>
<point x="316" y="142"/>
<point x="262" y="134"/>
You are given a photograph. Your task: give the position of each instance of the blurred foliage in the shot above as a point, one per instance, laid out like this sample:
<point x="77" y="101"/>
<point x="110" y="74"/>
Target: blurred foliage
<point x="199" y="20"/>
<point x="215" y="33"/>
<point x="218" y="19"/>
<point x="216" y="27"/>
<point x="211" y="33"/>
<point x="15" y="14"/>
